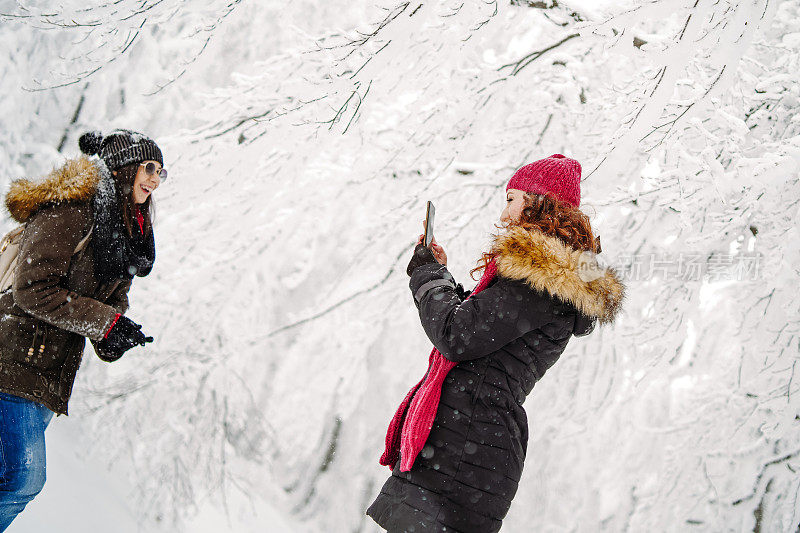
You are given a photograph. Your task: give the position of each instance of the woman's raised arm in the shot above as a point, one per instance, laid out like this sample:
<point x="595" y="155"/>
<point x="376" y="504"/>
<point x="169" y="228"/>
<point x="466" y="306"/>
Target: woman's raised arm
<point x="482" y="324"/>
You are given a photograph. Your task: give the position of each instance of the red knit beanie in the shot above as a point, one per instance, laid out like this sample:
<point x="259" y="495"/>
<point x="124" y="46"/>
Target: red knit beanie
<point x="557" y="175"/>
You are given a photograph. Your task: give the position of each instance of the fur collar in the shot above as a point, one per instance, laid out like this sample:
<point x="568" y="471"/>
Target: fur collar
<point x="547" y="264"/>
<point x="76" y="180"/>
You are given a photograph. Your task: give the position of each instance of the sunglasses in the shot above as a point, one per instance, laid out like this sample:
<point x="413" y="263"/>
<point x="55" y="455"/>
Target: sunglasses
<point x="150" y="168"/>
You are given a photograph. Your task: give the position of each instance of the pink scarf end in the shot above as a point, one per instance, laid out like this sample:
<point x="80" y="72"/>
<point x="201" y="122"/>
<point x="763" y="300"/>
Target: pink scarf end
<point x="409" y="429"/>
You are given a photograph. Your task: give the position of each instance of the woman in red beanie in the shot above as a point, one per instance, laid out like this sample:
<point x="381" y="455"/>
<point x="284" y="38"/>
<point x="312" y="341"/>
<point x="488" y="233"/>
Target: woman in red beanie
<point x="457" y="443"/>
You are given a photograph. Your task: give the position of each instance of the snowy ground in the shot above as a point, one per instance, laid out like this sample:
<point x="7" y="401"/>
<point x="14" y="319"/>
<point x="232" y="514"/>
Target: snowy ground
<point x="82" y="494"/>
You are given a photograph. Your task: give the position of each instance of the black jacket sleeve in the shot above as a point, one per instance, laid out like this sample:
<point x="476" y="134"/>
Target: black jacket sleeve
<point x="481" y="325"/>
<point x="584" y="325"/>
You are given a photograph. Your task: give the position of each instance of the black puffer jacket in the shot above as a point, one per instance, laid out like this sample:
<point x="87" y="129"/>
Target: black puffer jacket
<point x="504" y="338"/>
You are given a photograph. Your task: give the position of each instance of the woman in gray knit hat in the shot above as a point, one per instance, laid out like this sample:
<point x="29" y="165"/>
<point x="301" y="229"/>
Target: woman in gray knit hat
<point x="87" y="232"/>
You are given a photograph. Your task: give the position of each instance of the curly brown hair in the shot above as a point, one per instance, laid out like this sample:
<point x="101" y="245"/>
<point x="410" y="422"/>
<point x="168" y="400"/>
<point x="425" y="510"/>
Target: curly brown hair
<point x="551" y="216"/>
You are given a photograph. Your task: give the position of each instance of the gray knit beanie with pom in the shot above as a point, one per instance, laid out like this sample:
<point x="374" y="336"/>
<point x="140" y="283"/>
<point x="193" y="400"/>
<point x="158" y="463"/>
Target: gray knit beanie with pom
<point x="120" y="148"/>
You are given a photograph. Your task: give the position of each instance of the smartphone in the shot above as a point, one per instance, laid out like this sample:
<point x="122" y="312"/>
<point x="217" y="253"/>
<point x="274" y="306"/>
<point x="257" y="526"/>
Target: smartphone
<point x="430" y="211"/>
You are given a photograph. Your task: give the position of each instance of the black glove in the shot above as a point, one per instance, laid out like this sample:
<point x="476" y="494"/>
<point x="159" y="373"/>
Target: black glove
<point x="461" y="293"/>
<point x="123" y="336"/>
<point x="103" y="352"/>
<point x="422" y="256"/>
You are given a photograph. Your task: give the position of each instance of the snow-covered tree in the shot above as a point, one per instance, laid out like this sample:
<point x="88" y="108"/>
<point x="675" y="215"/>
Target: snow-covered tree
<point x="302" y="159"/>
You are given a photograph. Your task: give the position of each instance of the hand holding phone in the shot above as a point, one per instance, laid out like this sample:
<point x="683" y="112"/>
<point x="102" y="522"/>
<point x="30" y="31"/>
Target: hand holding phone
<point x="427" y="237"/>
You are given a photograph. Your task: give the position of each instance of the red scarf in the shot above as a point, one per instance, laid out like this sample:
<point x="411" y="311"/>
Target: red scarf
<point x="140" y="219"/>
<point x="411" y="425"/>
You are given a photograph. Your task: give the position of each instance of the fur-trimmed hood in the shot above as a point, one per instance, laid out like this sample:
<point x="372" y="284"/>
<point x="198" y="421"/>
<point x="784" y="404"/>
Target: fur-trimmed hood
<point x="547" y="264"/>
<point x="75" y="181"/>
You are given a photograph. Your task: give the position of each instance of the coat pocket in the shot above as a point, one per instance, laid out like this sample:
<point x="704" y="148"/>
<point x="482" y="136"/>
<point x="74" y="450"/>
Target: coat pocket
<point x="481" y="378"/>
<point x="26" y="340"/>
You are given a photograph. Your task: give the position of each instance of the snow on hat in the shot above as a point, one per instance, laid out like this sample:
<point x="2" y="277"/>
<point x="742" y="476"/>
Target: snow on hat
<point x="557" y="175"/>
<point x="120" y="148"/>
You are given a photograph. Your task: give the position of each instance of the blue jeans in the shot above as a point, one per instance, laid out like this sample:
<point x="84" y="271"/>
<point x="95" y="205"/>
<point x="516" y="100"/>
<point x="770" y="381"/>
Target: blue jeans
<point x="22" y="455"/>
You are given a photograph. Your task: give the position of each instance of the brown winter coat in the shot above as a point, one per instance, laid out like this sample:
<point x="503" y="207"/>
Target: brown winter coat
<point x="56" y="299"/>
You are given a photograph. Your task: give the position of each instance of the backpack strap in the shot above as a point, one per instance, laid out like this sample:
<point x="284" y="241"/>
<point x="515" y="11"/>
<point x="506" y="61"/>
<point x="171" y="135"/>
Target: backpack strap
<point x="9" y="250"/>
<point x="82" y="244"/>
<point x="10" y="237"/>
